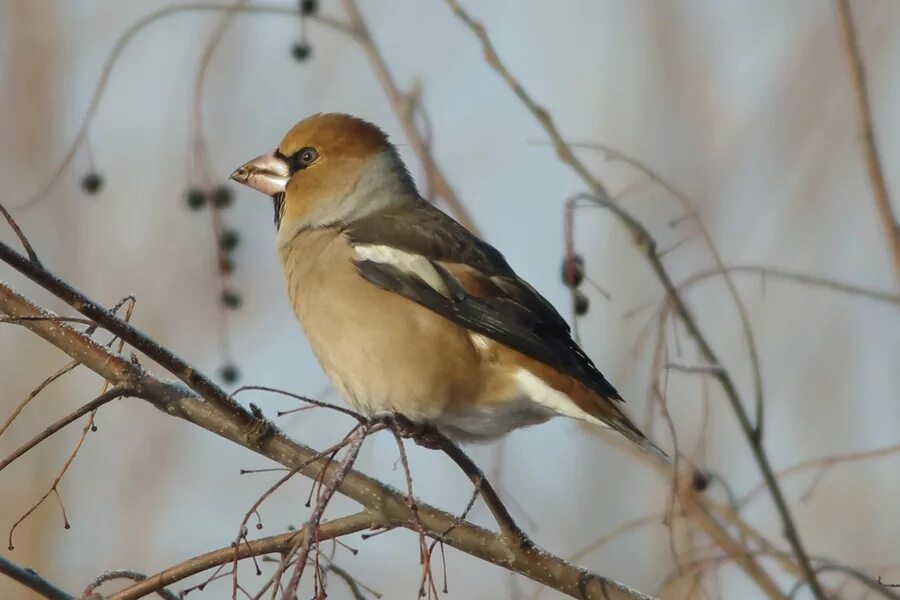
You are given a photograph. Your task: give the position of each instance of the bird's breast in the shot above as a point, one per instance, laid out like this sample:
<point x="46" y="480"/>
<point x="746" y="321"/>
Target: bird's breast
<point x="382" y="351"/>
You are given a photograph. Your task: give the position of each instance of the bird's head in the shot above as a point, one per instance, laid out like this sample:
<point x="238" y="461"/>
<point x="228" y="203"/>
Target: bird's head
<point x="329" y="169"/>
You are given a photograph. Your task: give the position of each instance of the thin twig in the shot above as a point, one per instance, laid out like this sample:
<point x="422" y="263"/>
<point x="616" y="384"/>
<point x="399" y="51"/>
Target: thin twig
<point x="352" y="583"/>
<point x="312" y="525"/>
<point x="797" y="277"/>
<point x="647" y="245"/>
<point x="889" y="222"/>
<point x="107" y="396"/>
<point x="124" y="574"/>
<point x="311" y="401"/>
<point x="822" y="463"/>
<point x="19" y="320"/>
<point x="20" y="234"/>
<point x="268" y="545"/>
<point x="694" y="370"/>
<point x="41" y="386"/>
<point x="690" y="208"/>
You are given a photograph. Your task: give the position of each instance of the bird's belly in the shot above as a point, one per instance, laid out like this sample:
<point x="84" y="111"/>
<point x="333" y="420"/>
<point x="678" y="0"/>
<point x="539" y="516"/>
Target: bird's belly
<point x="486" y="421"/>
<point x="381" y="351"/>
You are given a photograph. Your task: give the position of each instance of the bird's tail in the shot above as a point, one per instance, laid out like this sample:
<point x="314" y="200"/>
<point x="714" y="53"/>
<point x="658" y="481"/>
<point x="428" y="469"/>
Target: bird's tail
<point x="623" y="425"/>
<point x="607" y="411"/>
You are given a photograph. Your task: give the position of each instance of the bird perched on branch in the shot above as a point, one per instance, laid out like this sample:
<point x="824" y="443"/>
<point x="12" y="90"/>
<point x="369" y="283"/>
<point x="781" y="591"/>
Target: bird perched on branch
<point x="406" y="310"/>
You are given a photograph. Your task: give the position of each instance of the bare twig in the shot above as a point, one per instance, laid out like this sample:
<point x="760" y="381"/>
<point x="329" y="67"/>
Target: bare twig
<point x="91" y="406"/>
<point x="645" y="242"/>
<point x="796" y="277"/>
<point x="30" y="579"/>
<point x="694" y="370"/>
<point x="268" y="545"/>
<point x="20" y="234"/>
<point x="88" y="593"/>
<point x="689" y="207"/>
<point x="33" y="394"/>
<point x="823" y="464"/>
<point x="312" y="525"/>
<point x="352" y="583"/>
<point x="889" y="222"/>
<point x="873" y="584"/>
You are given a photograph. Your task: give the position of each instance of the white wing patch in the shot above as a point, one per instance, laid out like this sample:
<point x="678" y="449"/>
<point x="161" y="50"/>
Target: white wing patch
<point x="481" y="343"/>
<point x="537" y="391"/>
<point x="407" y="262"/>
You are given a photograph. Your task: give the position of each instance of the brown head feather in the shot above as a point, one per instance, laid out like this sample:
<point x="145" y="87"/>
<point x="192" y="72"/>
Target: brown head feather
<point x="337" y="186"/>
<point x="334" y="134"/>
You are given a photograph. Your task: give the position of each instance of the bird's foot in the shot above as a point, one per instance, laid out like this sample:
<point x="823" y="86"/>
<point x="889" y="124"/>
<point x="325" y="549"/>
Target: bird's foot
<point x="423" y="434"/>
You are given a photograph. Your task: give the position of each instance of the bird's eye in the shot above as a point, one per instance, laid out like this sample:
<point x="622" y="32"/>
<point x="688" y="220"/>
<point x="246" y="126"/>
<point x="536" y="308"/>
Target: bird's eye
<point x="303" y="158"/>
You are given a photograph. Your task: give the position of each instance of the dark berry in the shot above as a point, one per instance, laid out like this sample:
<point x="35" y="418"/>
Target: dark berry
<point x="301" y="51"/>
<point x="573" y="270"/>
<point x="91" y="182"/>
<point x="229" y="373"/>
<point x="221" y="196"/>
<point x="699" y="480"/>
<point x="582" y="304"/>
<point x="229" y="240"/>
<point x="231" y="299"/>
<point x="309" y="7"/>
<point x="226" y="265"/>
<point x="196" y="198"/>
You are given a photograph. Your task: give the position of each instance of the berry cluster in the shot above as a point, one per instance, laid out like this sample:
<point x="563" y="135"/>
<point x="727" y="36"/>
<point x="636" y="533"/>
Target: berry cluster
<point x="572" y="276"/>
<point x="221" y="197"/>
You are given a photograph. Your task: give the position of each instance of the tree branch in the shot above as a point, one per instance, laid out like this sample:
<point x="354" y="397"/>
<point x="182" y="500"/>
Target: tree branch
<point x="269" y="545"/>
<point x="873" y="160"/>
<point x="645" y="242"/>
<point x="32" y="581"/>
<point x="206" y="405"/>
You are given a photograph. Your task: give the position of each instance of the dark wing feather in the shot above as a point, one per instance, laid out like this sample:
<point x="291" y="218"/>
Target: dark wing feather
<point x="503" y="308"/>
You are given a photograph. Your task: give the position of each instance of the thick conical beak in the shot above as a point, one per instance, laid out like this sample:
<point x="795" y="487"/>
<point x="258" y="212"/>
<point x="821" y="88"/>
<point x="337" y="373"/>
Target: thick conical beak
<point x="266" y="173"/>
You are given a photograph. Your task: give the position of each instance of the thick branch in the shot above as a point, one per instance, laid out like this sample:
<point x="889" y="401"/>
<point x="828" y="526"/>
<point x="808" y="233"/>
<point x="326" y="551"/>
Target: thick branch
<point x="32" y="581"/>
<point x="216" y="412"/>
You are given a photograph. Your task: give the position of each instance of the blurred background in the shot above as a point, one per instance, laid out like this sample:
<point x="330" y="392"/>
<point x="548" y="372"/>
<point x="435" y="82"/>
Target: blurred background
<point x="747" y="107"/>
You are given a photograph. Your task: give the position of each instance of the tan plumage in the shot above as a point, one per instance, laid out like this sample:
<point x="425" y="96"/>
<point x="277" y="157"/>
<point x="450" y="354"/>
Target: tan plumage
<point x="406" y="310"/>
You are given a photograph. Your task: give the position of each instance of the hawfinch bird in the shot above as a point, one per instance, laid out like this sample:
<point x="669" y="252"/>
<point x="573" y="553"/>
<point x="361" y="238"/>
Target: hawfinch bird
<point x="406" y="310"/>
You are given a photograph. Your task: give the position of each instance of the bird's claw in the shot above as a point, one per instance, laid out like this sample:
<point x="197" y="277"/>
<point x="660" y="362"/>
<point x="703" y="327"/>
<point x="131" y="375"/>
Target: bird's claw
<point x="423" y="434"/>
